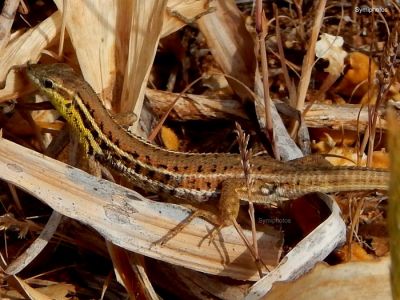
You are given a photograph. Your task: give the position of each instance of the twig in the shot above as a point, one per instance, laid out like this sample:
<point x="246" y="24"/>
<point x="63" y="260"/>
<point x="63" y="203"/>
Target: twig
<point x="308" y="61"/>
<point x="289" y="83"/>
<point x="262" y="30"/>
<point x="246" y="154"/>
<point x="300" y="26"/>
<point x="6" y="20"/>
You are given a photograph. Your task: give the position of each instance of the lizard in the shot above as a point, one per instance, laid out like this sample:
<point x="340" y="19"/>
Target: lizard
<point x="182" y="175"/>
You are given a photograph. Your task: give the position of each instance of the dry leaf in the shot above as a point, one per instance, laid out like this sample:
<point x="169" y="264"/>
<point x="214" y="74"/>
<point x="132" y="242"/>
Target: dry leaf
<point x="357" y="253"/>
<point x="355" y="81"/>
<point x="329" y="47"/>
<point x="357" y="280"/>
<point x="169" y="138"/>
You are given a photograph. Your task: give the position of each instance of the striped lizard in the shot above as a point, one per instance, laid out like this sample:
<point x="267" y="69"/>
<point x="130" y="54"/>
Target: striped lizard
<point x="181" y="175"/>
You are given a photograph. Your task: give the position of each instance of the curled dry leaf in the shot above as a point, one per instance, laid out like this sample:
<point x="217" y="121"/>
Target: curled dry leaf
<point x="329" y="47"/>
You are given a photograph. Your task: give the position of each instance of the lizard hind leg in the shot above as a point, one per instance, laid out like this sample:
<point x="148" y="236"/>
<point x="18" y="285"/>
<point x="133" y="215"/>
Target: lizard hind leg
<point x="228" y="210"/>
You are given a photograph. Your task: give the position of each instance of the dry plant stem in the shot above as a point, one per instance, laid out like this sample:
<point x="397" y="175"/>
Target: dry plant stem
<point x="106" y="284"/>
<point x="258" y="15"/>
<point x="309" y="61"/>
<point x="396" y="6"/>
<point x="289" y="83"/>
<point x="394" y="203"/>
<point x="381" y="16"/>
<point x="264" y="70"/>
<point x="259" y="262"/>
<point x="370" y="137"/>
<point x="62" y="31"/>
<point x="189" y="21"/>
<point x="194" y="107"/>
<point x="364" y="142"/>
<point x="385" y="78"/>
<point x="291" y="65"/>
<point x="6" y="20"/>
<point x="246" y="154"/>
<point x="319" y="115"/>
<point x="23" y="8"/>
<point x="309" y="58"/>
<point x="355" y="220"/>
<point x="299" y="8"/>
<point x="139" y="266"/>
<point x="120" y="261"/>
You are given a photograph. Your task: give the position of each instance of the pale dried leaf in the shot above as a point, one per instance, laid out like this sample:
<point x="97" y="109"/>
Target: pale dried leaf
<point x="181" y="12"/>
<point x="22" y="49"/>
<point x="99" y="34"/>
<point x="146" y="25"/>
<point x="355" y="280"/>
<point x="129" y="220"/>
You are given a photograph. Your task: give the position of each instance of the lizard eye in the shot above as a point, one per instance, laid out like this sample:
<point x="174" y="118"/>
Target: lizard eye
<point x="48" y="84"/>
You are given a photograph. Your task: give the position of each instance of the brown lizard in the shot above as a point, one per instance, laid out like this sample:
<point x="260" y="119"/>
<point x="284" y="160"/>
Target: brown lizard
<point x="193" y="176"/>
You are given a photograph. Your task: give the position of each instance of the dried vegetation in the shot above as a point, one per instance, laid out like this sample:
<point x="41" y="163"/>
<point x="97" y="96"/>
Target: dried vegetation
<point x="299" y="76"/>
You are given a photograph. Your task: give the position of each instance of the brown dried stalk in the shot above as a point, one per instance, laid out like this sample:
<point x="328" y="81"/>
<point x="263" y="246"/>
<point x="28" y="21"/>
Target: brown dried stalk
<point x="262" y="31"/>
<point x="246" y="154"/>
<point x="385" y="75"/>
<point x="289" y="83"/>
